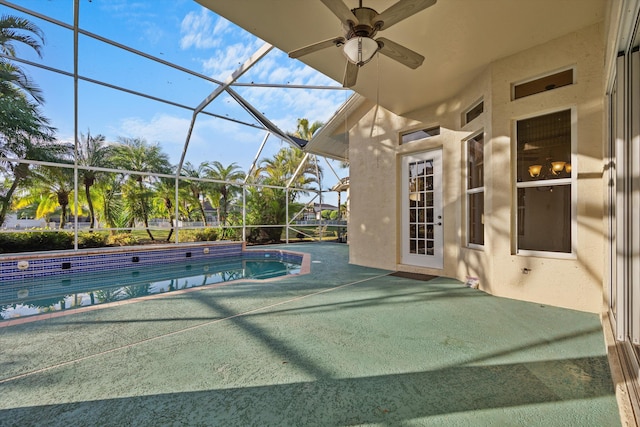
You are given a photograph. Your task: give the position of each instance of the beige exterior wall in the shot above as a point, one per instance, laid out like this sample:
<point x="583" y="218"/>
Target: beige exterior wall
<point x="375" y="156"/>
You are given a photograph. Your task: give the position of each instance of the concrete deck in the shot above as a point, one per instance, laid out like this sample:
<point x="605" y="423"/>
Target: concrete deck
<point x="343" y="345"/>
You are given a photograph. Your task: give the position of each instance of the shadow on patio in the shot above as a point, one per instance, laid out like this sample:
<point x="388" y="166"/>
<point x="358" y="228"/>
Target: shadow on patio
<point x="342" y="345"/>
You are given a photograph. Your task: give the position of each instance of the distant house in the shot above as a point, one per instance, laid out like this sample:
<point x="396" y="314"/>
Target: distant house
<point x="12" y="222"/>
<point x="314" y="212"/>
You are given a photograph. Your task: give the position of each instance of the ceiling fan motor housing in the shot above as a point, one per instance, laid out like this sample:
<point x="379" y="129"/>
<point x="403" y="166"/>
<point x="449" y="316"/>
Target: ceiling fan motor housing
<point x="366" y="27"/>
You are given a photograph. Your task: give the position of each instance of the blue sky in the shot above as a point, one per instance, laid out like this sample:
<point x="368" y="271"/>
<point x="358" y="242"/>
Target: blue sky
<point x="184" y="33"/>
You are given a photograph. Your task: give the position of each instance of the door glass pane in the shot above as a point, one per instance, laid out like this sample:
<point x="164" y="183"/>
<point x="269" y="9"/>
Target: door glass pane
<point x="421" y="207"/>
<point x="429" y="199"/>
<point x="430" y="247"/>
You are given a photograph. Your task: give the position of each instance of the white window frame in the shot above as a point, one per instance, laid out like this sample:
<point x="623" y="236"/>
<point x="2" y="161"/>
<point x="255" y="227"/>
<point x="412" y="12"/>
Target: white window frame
<point x="565" y="181"/>
<point x="470" y="191"/>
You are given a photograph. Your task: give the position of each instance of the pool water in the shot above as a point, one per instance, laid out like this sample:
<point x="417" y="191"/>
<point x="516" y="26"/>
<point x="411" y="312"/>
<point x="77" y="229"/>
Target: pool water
<point x="19" y="298"/>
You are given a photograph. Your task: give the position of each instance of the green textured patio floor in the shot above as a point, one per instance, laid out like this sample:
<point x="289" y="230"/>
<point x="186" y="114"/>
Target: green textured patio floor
<point x="344" y="345"/>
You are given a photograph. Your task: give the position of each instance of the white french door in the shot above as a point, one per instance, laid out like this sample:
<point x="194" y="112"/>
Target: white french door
<point x="422" y="220"/>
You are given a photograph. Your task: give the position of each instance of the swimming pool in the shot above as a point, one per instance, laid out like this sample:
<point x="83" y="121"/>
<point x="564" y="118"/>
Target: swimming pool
<point x="20" y="298"/>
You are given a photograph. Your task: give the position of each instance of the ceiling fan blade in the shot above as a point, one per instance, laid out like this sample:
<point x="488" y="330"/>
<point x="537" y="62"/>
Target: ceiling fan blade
<point x="350" y="75"/>
<point x="341" y="11"/>
<point x="400" y="53"/>
<point x="336" y="41"/>
<point x="402" y="10"/>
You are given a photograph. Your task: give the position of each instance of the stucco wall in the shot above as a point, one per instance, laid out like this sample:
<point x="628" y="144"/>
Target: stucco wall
<point x="372" y="174"/>
<point x="375" y="157"/>
<point x="574" y="283"/>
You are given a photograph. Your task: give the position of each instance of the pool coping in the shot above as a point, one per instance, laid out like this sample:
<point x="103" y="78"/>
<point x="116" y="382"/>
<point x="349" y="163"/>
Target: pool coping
<point x="305" y="268"/>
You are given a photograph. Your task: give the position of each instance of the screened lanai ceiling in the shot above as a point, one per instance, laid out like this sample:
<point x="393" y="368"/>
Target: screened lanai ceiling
<point x="458" y="39"/>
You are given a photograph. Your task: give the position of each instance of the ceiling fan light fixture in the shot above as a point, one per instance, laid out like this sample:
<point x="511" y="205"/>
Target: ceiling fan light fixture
<point x="360" y="50"/>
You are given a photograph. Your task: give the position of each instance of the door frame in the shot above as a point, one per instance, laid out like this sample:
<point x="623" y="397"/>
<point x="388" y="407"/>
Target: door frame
<point x="435" y="261"/>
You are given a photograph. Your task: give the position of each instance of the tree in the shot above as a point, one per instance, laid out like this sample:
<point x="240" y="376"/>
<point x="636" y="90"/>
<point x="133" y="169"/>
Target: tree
<point x="305" y="130"/>
<point x="165" y="194"/>
<point x="223" y="191"/>
<point x="197" y="189"/>
<point x="15" y="30"/>
<point x="25" y="135"/>
<point x="109" y="203"/>
<point x="92" y="153"/>
<point x="136" y="155"/>
<point x="279" y="170"/>
<point x="268" y="204"/>
<point x="51" y="188"/>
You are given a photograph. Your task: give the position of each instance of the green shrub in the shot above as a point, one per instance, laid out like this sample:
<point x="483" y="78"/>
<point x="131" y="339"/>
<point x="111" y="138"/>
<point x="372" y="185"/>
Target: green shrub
<point x="122" y="239"/>
<point x="207" y="235"/>
<point x="201" y="235"/>
<point x="34" y="241"/>
<point x="92" y="240"/>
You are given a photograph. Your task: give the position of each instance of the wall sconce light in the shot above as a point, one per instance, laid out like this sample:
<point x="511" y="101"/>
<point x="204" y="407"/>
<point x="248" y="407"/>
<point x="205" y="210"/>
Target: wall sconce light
<point x="534" y="170"/>
<point x="557" y="167"/>
<point x="549" y="169"/>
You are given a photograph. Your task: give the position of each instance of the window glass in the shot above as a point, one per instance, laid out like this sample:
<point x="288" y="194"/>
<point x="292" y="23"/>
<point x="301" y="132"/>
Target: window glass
<point x="475" y="190"/>
<point x="544" y="183"/>
<point x="544" y="218"/>
<point x="476" y="218"/>
<point x="474" y="112"/>
<point x="544" y="147"/>
<point x="419" y="134"/>
<point x="475" y="162"/>
<point x="543" y="84"/>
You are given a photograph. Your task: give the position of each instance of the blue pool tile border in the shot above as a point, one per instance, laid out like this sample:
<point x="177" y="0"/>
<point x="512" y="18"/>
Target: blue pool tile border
<point x="45" y="265"/>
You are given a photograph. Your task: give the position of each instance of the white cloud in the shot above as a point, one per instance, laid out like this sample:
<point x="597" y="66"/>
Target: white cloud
<point x="211" y="139"/>
<point x="228" y="58"/>
<point x="199" y="30"/>
<point x="164" y="129"/>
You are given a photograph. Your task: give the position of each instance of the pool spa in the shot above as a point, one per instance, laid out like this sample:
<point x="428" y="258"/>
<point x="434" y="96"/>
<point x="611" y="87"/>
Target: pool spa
<point x="62" y="283"/>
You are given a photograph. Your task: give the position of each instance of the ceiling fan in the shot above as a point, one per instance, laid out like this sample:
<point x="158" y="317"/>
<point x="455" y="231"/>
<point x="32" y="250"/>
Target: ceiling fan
<point x="361" y="25"/>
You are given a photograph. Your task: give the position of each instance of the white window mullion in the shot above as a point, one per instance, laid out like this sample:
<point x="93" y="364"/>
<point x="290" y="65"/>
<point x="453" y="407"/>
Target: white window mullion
<point x="634" y="205"/>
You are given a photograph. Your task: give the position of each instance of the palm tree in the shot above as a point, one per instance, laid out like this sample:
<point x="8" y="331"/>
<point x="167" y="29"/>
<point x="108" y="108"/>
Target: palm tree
<point x="15" y="30"/>
<point x="136" y="155"/>
<point x="109" y="203"/>
<point x="223" y="191"/>
<point x="24" y="134"/>
<point x="306" y="131"/>
<point x="279" y="170"/>
<point x="51" y="188"/>
<point x="267" y="204"/>
<point x="165" y="193"/>
<point x="197" y="189"/>
<point x="92" y="152"/>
